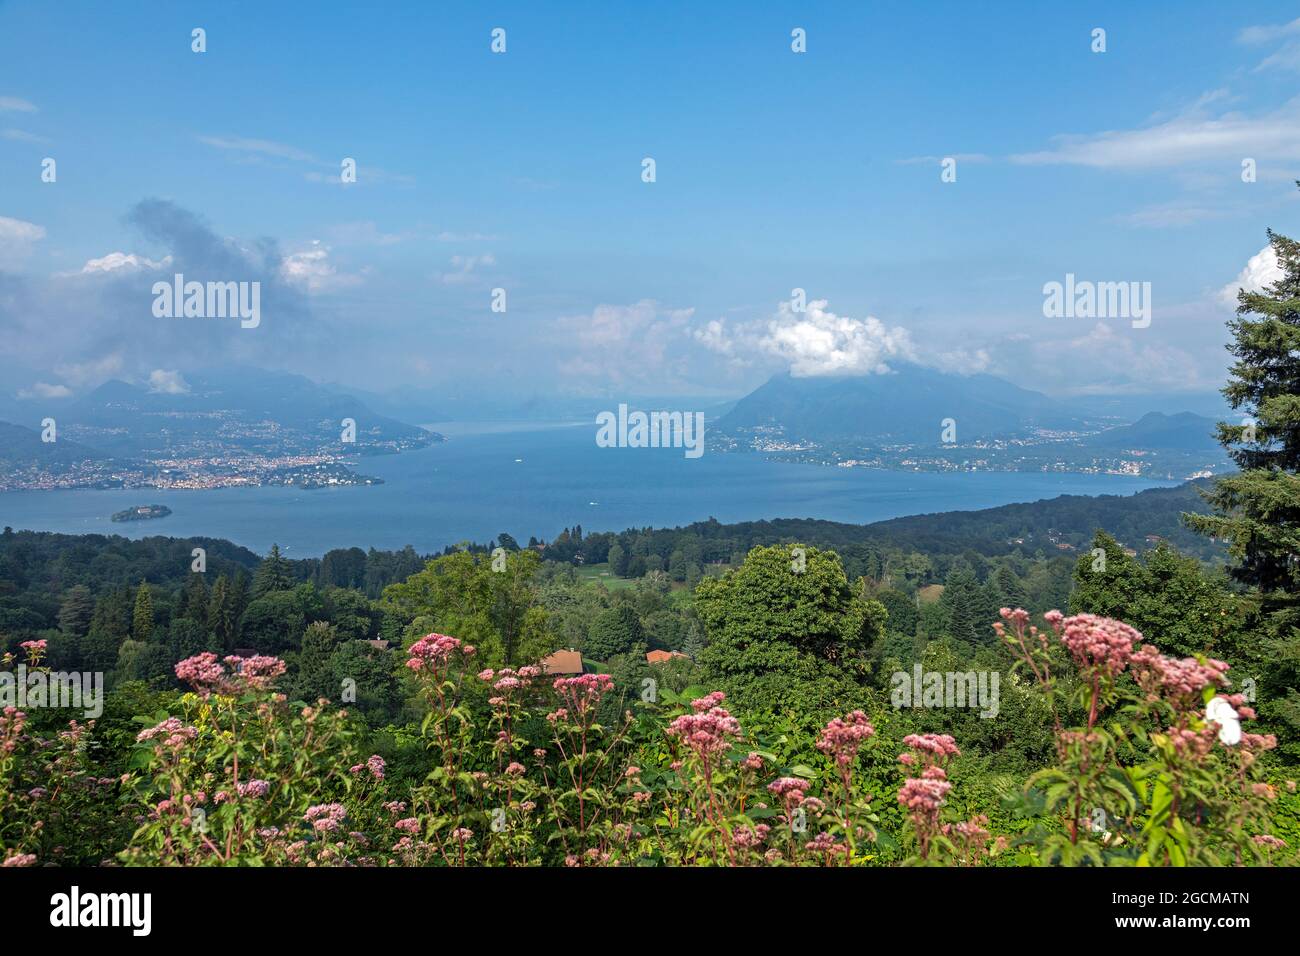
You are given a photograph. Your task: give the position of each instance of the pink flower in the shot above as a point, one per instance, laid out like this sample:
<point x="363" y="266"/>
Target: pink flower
<point x="933" y="748"/>
<point x="1179" y="681"/>
<point x="784" y="786"/>
<point x="923" y="796"/>
<point x="1100" y="644"/>
<point x="257" y="672"/>
<point x="408" y="825"/>
<point x="203" y="672"/>
<point x="326" y="817"/>
<point x="515" y="769"/>
<point x="583" y="693"/>
<point x="709" y="730"/>
<point x="254" y="788"/>
<point x="745" y="836"/>
<point x="842" y="737"/>
<point x="175" y="733"/>
<point x="434" y="653"/>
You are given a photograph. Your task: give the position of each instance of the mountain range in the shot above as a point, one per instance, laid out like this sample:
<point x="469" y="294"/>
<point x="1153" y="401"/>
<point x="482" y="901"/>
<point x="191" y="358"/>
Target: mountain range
<point x="911" y="405"/>
<point x="905" y="406"/>
<point x="240" y="411"/>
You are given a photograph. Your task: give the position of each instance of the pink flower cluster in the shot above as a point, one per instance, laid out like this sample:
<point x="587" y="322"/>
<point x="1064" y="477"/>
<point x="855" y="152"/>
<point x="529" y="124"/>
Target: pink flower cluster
<point x="203" y="672"/>
<point x="375" y="765"/>
<point x="745" y="836"/>
<point x="207" y="675"/>
<point x="326" y="817"/>
<point x="11" y="727"/>
<point x="1096" y="643"/>
<point x="258" y="672"/>
<point x="1178" y="681"/>
<point x="843" y="736"/>
<point x="933" y="749"/>
<point x="790" y="789"/>
<point x="710" y="729"/>
<point x="254" y="788"/>
<point x="434" y="652"/>
<point x="175" y="733"/>
<point x="925" y="795"/>
<point x="582" y="693"/>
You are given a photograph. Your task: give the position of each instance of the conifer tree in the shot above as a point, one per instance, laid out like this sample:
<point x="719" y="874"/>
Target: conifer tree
<point x="272" y="574"/>
<point x="1257" y="510"/>
<point x="142" y="616"/>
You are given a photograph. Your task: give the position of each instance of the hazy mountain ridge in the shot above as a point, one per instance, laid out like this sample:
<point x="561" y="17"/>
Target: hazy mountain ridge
<point x="907" y="405"/>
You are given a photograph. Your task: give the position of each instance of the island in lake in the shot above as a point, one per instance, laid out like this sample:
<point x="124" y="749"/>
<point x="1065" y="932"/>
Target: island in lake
<point x="143" y="513"/>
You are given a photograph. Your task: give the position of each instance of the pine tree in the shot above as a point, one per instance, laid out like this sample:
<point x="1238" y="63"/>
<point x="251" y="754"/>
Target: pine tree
<point x="963" y="602"/>
<point x="222" y="616"/>
<point x="194" y="600"/>
<point x="142" y="617"/>
<point x="272" y="574"/>
<point x="1257" y="510"/>
<point x="1010" y="589"/>
<point x="75" y="612"/>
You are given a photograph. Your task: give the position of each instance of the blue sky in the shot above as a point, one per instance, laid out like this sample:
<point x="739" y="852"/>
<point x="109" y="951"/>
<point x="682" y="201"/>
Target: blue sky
<point x="522" y="171"/>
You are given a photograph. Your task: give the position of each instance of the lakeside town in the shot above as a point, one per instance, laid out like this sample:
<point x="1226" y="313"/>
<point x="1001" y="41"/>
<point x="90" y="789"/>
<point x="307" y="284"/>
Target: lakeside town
<point x="218" y="471"/>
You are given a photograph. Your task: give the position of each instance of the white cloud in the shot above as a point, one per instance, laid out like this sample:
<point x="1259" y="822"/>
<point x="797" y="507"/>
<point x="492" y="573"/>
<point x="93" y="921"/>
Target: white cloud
<point x="464" y="268"/>
<point x="13" y="104"/>
<point x="1287" y="56"/>
<point x="1189" y="137"/>
<point x="1261" y="270"/>
<point x="121" y="262"/>
<point x="1123" y="361"/>
<point x="45" y="390"/>
<point x="18" y="231"/>
<point x="92" y="372"/>
<point x="627" y="343"/>
<point x="813" y="342"/>
<point x="21" y="136"/>
<point x="167" y="383"/>
<point x="1175" y="213"/>
<point x="17" y="238"/>
<point x="258" y="147"/>
<point x="819" y="342"/>
<point x="312" y="271"/>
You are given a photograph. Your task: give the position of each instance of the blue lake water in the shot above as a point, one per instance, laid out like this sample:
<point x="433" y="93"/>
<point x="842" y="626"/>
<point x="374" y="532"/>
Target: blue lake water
<point x="536" y="481"/>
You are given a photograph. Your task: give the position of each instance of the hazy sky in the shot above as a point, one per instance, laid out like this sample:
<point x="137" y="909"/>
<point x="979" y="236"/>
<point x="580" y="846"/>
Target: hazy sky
<point x="522" y="170"/>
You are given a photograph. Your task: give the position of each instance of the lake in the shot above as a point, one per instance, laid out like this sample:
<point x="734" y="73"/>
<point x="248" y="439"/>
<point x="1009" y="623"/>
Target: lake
<point x="532" y="480"/>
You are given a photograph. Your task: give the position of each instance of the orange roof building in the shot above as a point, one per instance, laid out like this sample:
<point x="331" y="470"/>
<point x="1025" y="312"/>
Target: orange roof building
<point x="563" y="662"/>
<point x="659" y="657"/>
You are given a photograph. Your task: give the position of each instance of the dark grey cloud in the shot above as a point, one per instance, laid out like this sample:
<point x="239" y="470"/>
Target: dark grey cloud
<point x="85" y="326"/>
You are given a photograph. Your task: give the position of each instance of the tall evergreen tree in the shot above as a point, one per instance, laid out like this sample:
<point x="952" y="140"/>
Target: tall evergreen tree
<point x="964" y="602"/>
<point x="222" y="616"/>
<point x="142" y="616"/>
<point x="1257" y="510"/>
<point x="75" y="612"/>
<point x="272" y="574"/>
